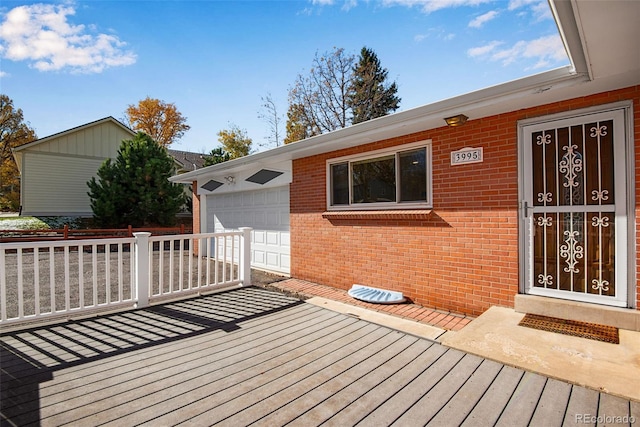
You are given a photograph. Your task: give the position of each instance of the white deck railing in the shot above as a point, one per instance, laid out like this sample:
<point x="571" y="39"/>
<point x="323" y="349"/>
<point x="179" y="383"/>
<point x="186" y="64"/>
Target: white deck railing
<point x="53" y="278"/>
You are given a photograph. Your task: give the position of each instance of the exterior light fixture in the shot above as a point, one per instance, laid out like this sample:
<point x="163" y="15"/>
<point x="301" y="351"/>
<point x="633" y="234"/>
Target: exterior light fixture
<point x="458" y="120"/>
<point x="230" y="179"/>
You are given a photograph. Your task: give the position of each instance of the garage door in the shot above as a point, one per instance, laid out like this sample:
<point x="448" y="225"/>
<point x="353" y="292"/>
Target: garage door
<point x="267" y="212"/>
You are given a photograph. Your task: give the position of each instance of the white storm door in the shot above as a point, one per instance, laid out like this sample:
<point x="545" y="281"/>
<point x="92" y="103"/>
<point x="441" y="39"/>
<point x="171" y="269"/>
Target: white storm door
<point x="574" y="208"/>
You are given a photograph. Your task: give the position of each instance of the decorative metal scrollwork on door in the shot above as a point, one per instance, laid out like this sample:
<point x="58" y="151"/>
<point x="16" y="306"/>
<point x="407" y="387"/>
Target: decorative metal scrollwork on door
<point x="573" y="181"/>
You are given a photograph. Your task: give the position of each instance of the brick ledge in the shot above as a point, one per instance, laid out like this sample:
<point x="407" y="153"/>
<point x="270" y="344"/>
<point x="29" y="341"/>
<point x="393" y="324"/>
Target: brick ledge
<point x="379" y="215"/>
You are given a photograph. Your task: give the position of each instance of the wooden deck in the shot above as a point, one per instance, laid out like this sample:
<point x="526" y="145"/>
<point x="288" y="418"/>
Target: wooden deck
<point x="254" y="356"/>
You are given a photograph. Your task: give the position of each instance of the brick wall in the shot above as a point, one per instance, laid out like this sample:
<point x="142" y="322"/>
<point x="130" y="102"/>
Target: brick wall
<point x="464" y="256"/>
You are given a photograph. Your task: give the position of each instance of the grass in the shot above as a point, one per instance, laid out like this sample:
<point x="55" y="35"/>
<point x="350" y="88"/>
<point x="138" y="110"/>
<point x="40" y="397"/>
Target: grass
<point x="38" y="223"/>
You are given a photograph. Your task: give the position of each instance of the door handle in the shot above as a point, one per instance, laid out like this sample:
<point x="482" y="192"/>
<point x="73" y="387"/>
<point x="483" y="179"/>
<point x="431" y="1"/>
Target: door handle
<point x="525" y="209"/>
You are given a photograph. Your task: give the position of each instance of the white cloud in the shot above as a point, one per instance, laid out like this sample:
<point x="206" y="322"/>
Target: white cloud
<point x="545" y="50"/>
<point x="349" y="4"/>
<point x="41" y="35"/>
<point x="428" y="6"/>
<point x="479" y="21"/>
<point x="483" y="50"/>
<point x="540" y="8"/>
<point x="438" y="33"/>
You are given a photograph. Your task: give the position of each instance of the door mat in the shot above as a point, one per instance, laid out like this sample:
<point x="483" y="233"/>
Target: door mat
<point x="574" y="328"/>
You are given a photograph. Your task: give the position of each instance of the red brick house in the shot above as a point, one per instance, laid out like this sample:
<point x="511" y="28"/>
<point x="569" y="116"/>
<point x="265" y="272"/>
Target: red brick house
<point x="532" y="202"/>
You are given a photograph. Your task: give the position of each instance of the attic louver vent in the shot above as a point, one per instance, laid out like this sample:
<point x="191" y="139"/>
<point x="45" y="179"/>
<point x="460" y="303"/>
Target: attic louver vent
<point x="263" y="176"/>
<point x="211" y="185"/>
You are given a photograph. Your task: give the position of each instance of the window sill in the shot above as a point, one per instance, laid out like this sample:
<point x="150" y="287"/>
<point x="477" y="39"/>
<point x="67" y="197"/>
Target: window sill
<point x="421" y="214"/>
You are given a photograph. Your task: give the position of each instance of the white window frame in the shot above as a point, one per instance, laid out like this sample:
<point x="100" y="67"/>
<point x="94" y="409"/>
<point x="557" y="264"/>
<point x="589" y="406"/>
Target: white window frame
<point x="428" y="203"/>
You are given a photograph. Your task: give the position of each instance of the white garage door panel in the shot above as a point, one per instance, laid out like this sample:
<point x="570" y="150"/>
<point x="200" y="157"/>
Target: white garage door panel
<point x="267" y="212"/>
<point x="259" y="237"/>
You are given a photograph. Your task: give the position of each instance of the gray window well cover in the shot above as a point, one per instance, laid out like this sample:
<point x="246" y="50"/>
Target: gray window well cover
<point x="263" y="176"/>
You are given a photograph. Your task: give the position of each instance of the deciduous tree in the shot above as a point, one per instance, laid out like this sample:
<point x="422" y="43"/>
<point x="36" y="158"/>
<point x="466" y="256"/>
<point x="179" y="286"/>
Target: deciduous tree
<point x="322" y="95"/>
<point x="370" y="95"/>
<point x="269" y="113"/>
<point x="134" y="189"/>
<point x="160" y="120"/>
<point x="235" y="141"/>
<point x="13" y="133"/>
<point x="298" y="125"/>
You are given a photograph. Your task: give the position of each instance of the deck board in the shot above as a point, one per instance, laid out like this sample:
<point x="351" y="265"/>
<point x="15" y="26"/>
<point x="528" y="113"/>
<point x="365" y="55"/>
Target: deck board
<point x="611" y="407"/>
<point x="431" y="402"/>
<point x="462" y="403"/>
<point x="356" y="393"/>
<point x="238" y="379"/>
<point x="254" y="356"/>
<point x="581" y="401"/>
<point x="177" y="376"/>
<point x="331" y="396"/>
<point x="411" y="393"/>
<point x="523" y="401"/>
<point x="377" y="397"/>
<point x="258" y="401"/>
<point x="552" y="404"/>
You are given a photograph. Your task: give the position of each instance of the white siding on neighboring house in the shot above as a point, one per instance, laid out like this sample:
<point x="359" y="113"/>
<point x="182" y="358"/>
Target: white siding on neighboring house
<point x="57" y="184"/>
<point x="54" y="170"/>
<point x="102" y="140"/>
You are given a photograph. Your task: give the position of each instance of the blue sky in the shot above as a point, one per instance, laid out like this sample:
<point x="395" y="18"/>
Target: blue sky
<point x="69" y="63"/>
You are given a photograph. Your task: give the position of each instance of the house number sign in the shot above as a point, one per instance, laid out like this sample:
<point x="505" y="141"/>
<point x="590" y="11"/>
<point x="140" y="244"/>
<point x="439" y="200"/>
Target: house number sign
<point x="466" y="155"/>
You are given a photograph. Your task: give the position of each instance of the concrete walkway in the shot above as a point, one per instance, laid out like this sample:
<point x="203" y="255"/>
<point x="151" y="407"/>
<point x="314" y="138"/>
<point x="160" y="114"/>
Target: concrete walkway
<point x="495" y="335"/>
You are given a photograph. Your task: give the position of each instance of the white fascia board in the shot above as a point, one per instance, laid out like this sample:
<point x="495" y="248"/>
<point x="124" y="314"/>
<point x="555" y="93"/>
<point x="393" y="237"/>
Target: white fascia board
<point x="567" y="18"/>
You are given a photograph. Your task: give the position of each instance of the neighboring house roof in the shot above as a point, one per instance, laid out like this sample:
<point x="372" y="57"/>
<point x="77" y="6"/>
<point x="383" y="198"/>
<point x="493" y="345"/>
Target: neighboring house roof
<point x="187" y="160"/>
<point x="72" y="130"/>
<point x="17" y="151"/>
<point x="600" y="38"/>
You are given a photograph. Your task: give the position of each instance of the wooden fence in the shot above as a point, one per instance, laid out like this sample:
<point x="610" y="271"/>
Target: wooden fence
<point x="66" y="233"/>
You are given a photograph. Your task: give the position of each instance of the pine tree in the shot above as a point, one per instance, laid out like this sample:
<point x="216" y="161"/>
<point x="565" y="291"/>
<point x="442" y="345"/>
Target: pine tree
<point x="217" y="155"/>
<point x="135" y="189"/>
<point x="370" y="95"/>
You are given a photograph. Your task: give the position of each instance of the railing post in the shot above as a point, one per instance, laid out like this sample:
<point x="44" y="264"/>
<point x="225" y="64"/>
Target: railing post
<point x="141" y="247"/>
<point x="245" y="256"/>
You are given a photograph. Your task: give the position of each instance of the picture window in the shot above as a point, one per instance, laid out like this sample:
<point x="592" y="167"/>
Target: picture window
<point x="395" y="179"/>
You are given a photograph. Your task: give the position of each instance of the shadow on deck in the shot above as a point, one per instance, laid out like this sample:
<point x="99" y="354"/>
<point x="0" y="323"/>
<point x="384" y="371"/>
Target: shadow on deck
<point x="253" y="356"/>
<point x="32" y="356"/>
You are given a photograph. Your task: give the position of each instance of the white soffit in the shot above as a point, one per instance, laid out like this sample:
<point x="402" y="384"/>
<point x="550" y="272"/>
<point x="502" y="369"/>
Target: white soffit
<point x="609" y="31"/>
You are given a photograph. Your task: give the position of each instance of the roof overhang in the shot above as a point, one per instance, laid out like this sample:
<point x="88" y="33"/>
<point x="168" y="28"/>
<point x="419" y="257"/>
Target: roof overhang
<point x="581" y="24"/>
